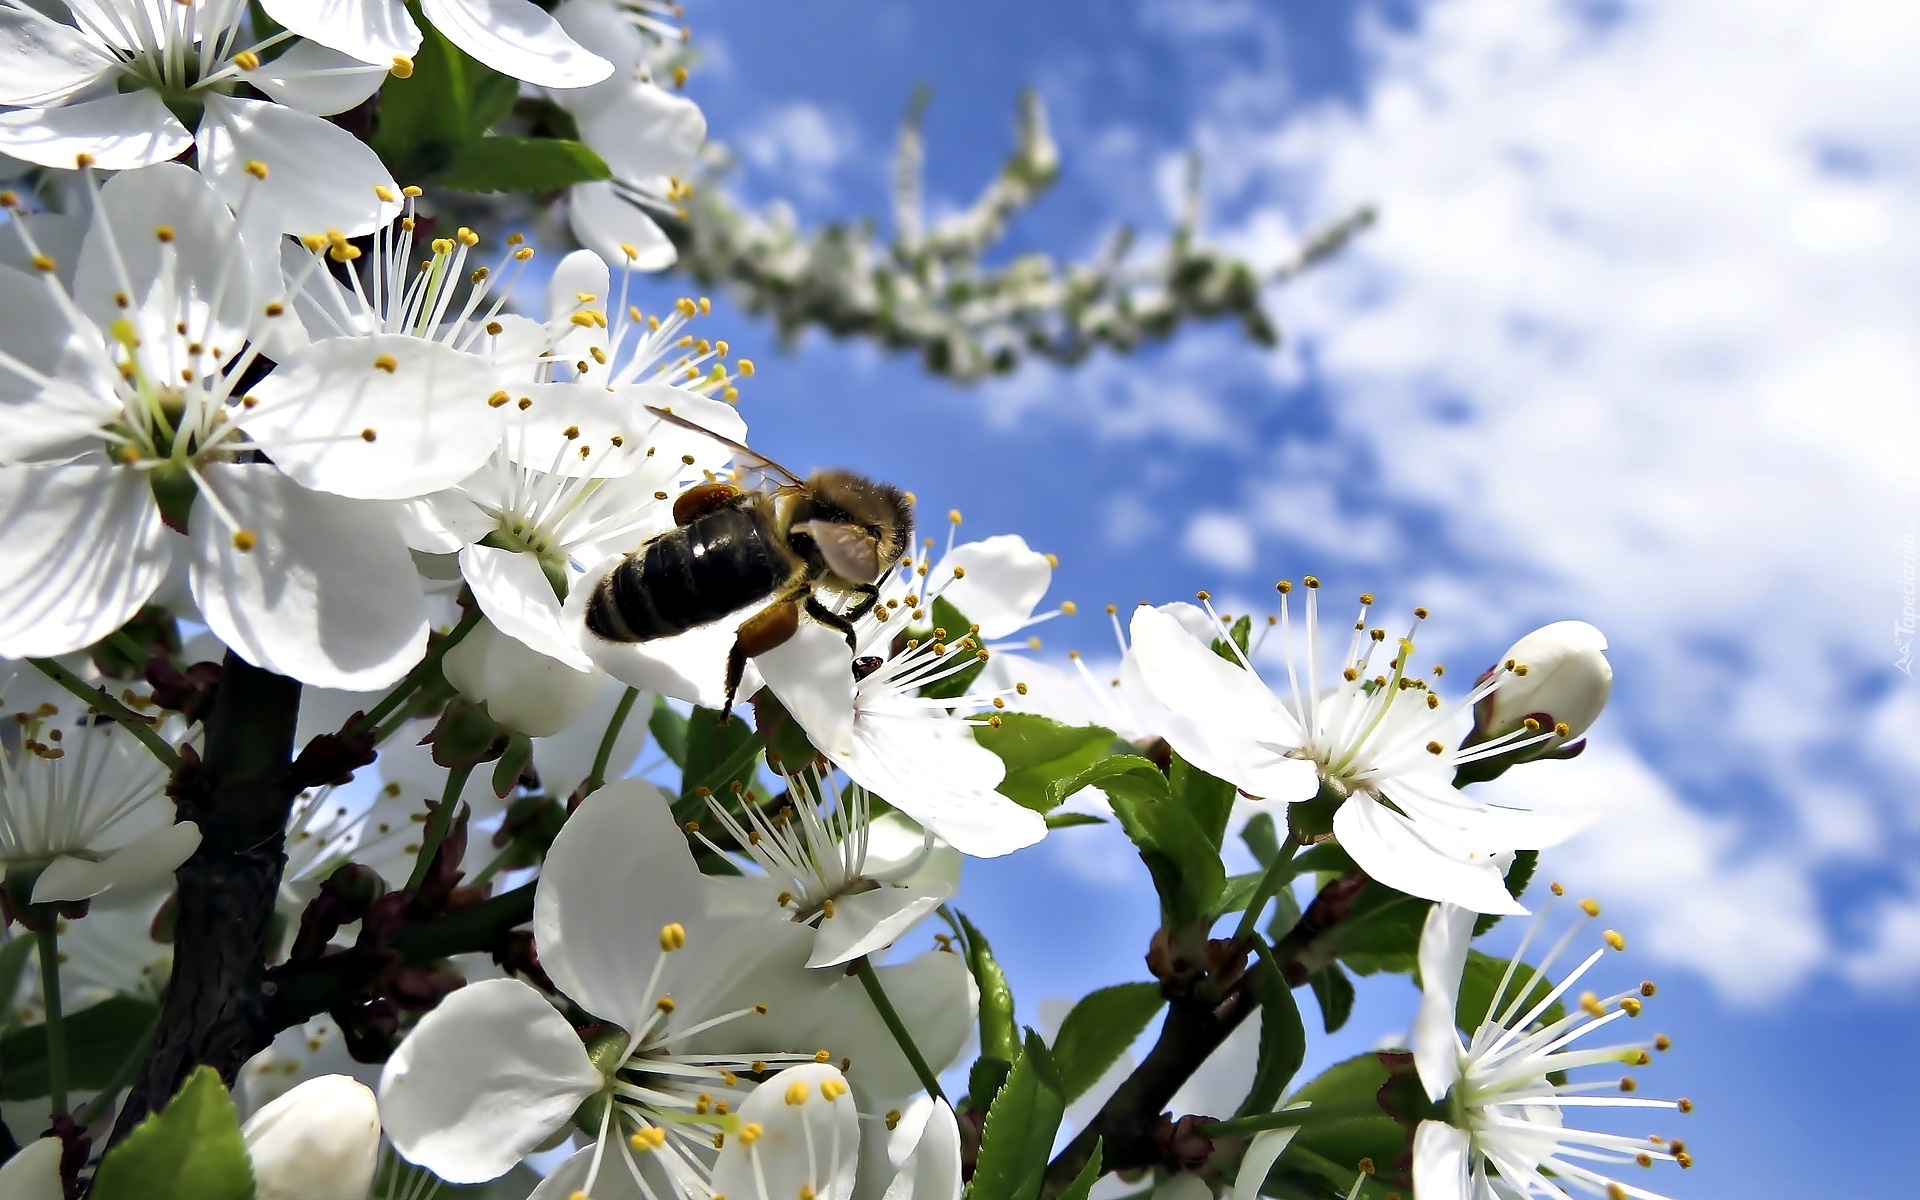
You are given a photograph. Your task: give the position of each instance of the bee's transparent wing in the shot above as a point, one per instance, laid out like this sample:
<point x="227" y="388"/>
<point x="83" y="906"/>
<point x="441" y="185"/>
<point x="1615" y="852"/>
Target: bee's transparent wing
<point x="745" y="457"/>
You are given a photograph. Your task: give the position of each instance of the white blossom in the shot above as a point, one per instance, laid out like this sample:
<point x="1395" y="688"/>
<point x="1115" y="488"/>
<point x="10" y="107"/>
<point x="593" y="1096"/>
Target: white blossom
<point x="319" y="1141"/>
<point x="514" y="37"/>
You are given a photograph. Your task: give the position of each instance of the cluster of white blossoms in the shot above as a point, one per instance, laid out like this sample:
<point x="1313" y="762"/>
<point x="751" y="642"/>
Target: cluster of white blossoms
<point x="669" y="760"/>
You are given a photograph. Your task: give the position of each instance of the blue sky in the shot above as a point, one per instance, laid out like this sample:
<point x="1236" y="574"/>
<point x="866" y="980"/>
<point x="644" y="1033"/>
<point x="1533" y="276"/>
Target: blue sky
<point x="1635" y="342"/>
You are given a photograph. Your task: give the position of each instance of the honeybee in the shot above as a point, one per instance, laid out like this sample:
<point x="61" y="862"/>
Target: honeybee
<point x="734" y="547"/>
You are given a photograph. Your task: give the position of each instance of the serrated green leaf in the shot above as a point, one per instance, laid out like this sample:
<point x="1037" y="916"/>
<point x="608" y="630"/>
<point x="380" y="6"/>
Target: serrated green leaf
<point x="1185" y="864"/>
<point x="1261" y="838"/>
<point x="1099" y="1030"/>
<point x="1082" y="1185"/>
<point x="99" y="1039"/>
<point x="669" y="731"/>
<point x="521" y="164"/>
<point x="1345" y="1142"/>
<point x="189" y="1150"/>
<point x="1334" y="991"/>
<point x="1018" y="1137"/>
<point x="999" y="1033"/>
<point x="1283" y="1039"/>
<point x="1067" y="820"/>
<point x="1482" y="975"/>
<point x="1381" y="932"/>
<point x="1207" y="799"/>
<point x="1039" y="752"/>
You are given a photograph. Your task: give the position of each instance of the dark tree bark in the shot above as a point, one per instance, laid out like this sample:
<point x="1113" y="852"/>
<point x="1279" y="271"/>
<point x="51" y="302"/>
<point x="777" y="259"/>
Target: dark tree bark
<point x="240" y="795"/>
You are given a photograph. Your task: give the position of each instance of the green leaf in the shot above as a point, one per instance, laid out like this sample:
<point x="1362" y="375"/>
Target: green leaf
<point x="1184" y="861"/>
<point x="1239" y="890"/>
<point x="1283" y="1039"/>
<point x="521" y="164"/>
<point x="13" y="960"/>
<point x="1345" y="1142"/>
<point x="718" y="755"/>
<point x="426" y="116"/>
<point x="1098" y="1031"/>
<point x="1483" y="974"/>
<point x="1082" y="1184"/>
<point x="1334" y="991"/>
<point x="999" y="1035"/>
<point x="1039" y="752"/>
<point x="1067" y="820"/>
<point x="949" y="618"/>
<point x="1208" y="800"/>
<point x="99" y="1039"/>
<point x="1240" y="632"/>
<point x="788" y="749"/>
<point x="1381" y="931"/>
<point x="1018" y="1137"/>
<point x="669" y="731"/>
<point x="1261" y="838"/>
<point x="189" y="1150"/>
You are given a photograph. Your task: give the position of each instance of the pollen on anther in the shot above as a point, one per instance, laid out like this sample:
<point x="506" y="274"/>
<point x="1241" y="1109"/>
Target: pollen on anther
<point x="892" y="1119"/>
<point x="244" y="540"/>
<point x="1614" y="939"/>
<point x="673" y="936"/>
<point x="387" y="363"/>
<point x="1435" y="748"/>
<point x="664" y="1004"/>
<point x="797" y="1092"/>
<point x="497" y="399"/>
<point x="1590" y="907"/>
<point x="750" y="1132"/>
<point x="1662" y="1042"/>
<point x="367" y="435"/>
<point x="1684" y="1105"/>
<point x="760" y="1010"/>
<point x="1562" y="729"/>
<point x="1311" y="581"/>
<point x="1556" y="888"/>
<point x="524" y="403"/>
<point x="823" y="1056"/>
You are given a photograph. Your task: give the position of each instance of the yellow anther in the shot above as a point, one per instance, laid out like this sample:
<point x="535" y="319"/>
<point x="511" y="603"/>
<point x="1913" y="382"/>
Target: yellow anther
<point x="1590" y="1004"/>
<point x="1556" y="889"/>
<point x="1364" y="1166"/>
<point x="43" y="263"/>
<point x="679" y="76"/>
<point x="387" y="363"/>
<point x="664" y="1004"/>
<point x="402" y="67"/>
<point x="1630" y="1006"/>
<point x="367" y="434"/>
<point x="523" y="254"/>
<point x="497" y="399"/>
<point x="826" y="908"/>
<point x="798" y="1091"/>
<point x="832" y="1089"/>
<point x="1629" y="1084"/>
<point x="412" y="192"/>
<point x="1662" y="1042"/>
<point x="578" y="1195"/>
<point x="806" y="1191"/>
<point x="762" y="1010"/>
<point x="647" y="1140"/>
<point x="1616" y="1192"/>
<point x="164" y="233"/>
<point x="1644" y="1159"/>
<point x="706" y="306"/>
<point x="1614" y="939"/>
<point x="314" y="242"/>
<point x="750" y="1133"/>
<point x="1435" y="748"/>
<point x="256" y="168"/>
<point x="244" y="540"/>
<point x="1590" y="907"/>
<point x="1684" y="1159"/>
<point x="9" y="199"/>
<point x="1531" y="725"/>
<point x="823" y="1056"/>
<point x="1311" y="581"/>
<point x="893" y="1119"/>
<point x="1685" y="1105"/>
<point x="673" y="936"/>
<point x="745" y="368"/>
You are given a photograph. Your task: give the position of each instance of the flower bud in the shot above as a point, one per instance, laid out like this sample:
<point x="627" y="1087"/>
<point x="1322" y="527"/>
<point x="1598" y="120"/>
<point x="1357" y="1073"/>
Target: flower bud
<point x="319" y="1141"/>
<point x="523" y="689"/>
<point x="1566" y="678"/>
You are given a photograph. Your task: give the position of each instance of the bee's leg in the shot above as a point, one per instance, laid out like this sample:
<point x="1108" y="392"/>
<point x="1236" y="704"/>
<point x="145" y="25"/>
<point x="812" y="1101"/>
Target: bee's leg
<point x="869" y="594"/>
<point x="826" y="616"/>
<point x="701" y="499"/>
<point x="771" y="626"/>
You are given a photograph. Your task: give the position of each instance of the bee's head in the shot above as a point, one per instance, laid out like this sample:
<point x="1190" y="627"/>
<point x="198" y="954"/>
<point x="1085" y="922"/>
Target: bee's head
<point x="855" y="527"/>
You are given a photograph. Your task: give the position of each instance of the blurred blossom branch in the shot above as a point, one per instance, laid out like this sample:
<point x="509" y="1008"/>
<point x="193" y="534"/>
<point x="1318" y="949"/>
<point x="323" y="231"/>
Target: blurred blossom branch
<point x="932" y="291"/>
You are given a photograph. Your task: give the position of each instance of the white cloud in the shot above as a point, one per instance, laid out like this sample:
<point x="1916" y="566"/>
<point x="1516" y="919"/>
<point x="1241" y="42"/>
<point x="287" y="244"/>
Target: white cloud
<point x="1637" y="339"/>
<point x="1220" y="539"/>
<point x="800" y="145"/>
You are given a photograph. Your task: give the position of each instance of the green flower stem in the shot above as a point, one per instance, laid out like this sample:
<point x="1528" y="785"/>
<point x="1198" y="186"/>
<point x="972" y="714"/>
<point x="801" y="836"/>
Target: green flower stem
<point x="97" y="698"/>
<point x="898" y="1028"/>
<point x="1278" y="872"/>
<point x="423" y="671"/>
<point x="599" y="775"/>
<point x="123" y="1074"/>
<point x="49" y="940"/>
<point x="1288" y="1118"/>
<point x="442" y="821"/>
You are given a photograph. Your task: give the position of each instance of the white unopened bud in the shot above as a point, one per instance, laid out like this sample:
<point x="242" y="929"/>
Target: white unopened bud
<point x="522" y="688"/>
<point x="1559" y="670"/>
<point x="320" y="1141"/>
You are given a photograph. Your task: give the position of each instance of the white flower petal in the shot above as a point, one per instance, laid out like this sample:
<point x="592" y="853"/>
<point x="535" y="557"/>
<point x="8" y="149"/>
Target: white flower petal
<point x="564" y="759"/>
<point x="1442" y="1166"/>
<point x="426" y="404"/>
<point x="328" y="593"/>
<point x="1000" y="580"/>
<point x="932" y="1172"/>
<point x="318" y="1141"/>
<point x="1444" y="943"/>
<point x="144" y="865"/>
<point x="1183" y="1185"/>
<point x="809" y="1142"/>
<point x="812" y="673"/>
<point x="609" y="225"/>
<point x="314" y="78"/>
<point x="928" y="766"/>
<point x="85" y="549"/>
<point x="897" y="852"/>
<point x="441" y="522"/>
<point x="119" y="131"/>
<point x="614" y="1182"/>
<point x="61" y="419"/>
<point x="567" y="429"/>
<point x="43" y="61"/>
<point x="871" y="921"/>
<point x="935" y="997"/>
<point x="523" y="689"/>
<point x="202" y="256"/>
<point x="516" y="38"/>
<point x="372" y="31"/>
<point x="618" y="873"/>
<point x="514" y="593"/>
<point x="1262" y="1153"/>
<point x="646" y="134"/>
<point x="1398" y="853"/>
<point x="34" y="1173"/>
<point x="320" y="177"/>
<point x="483" y="1080"/>
<point x="607" y="28"/>
<point x="1431" y="799"/>
<point x="1220" y="717"/>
